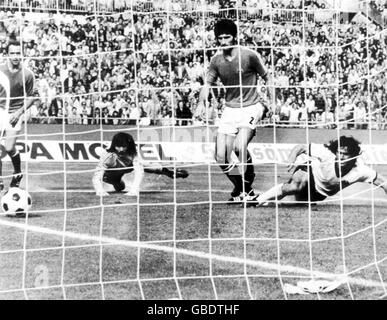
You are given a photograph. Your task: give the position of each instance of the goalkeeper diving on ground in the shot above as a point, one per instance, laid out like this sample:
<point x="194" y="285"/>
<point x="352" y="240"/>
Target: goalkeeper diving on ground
<point x="122" y="158"/>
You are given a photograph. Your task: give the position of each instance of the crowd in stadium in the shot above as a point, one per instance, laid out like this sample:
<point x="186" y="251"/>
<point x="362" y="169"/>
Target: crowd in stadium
<point x="86" y="88"/>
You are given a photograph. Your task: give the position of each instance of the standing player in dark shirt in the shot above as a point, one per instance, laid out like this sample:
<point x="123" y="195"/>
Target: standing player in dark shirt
<point x="21" y="89"/>
<point x="238" y="69"/>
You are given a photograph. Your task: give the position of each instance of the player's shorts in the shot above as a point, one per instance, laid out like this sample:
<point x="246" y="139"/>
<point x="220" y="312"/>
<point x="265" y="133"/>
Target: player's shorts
<point x="6" y="126"/>
<point x="233" y="119"/>
<point x="114" y="178"/>
<point x="314" y="194"/>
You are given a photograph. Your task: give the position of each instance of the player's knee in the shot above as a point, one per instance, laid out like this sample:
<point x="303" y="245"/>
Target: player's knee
<point x="11" y="150"/>
<point x="238" y="149"/>
<point x="292" y="187"/>
<point x="220" y="158"/>
<point x="120" y="186"/>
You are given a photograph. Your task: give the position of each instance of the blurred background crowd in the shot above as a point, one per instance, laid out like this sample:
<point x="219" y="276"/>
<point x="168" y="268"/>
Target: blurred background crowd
<point x="128" y="62"/>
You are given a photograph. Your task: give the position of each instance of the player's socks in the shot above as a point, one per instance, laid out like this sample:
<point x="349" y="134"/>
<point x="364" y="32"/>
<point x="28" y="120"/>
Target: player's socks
<point x="16" y="162"/>
<point x="232" y="173"/>
<point x="244" y="192"/>
<point x="249" y="175"/>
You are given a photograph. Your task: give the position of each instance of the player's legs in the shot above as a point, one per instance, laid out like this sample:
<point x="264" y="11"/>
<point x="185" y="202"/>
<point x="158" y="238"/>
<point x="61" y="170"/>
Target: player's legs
<point x="249" y="117"/>
<point x="115" y="180"/>
<point x="297" y="183"/>
<point x="10" y="148"/>
<point x="246" y="167"/>
<point x="224" y="149"/>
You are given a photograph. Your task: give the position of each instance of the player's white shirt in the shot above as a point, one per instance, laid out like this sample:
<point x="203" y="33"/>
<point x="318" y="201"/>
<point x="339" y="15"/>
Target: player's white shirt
<point x="324" y="174"/>
<point x="110" y="160"/>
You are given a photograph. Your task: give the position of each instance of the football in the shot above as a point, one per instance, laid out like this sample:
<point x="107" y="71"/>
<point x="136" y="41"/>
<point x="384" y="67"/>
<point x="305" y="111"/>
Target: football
<point x="16" y="202"/>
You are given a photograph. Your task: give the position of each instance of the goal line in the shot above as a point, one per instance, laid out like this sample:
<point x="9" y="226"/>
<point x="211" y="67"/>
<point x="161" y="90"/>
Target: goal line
<point x="203" y="255"/>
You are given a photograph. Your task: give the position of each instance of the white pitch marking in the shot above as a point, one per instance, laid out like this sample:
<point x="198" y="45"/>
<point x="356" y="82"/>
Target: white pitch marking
<point x="330" y="200"/>
<point x="198" y="254"/>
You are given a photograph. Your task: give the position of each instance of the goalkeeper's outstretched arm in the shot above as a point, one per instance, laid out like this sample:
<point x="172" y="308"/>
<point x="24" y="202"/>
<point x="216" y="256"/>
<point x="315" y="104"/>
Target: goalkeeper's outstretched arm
<point x="170" y="173"/>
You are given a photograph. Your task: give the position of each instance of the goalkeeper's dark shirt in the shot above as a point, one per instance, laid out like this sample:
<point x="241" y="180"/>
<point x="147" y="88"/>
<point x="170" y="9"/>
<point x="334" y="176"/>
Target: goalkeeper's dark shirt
<point x="21" y="85"/>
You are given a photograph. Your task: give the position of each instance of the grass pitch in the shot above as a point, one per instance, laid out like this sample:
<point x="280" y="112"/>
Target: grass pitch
<point x="187" y="244"/>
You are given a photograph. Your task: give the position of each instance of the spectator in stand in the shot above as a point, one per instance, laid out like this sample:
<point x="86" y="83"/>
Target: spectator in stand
<point x="183" y="112"/>
<point x="166" y="118"/>
<point x="80" y="74"/>
<point x="327" y="117"/>
<point x="349" y="108"/>
<point x="311" y="108"/>
<point x="294" y="115"/>
<point x="320" y="101"/>
<point x="134" y="113"/>
<point x="285" y="111"/>
<point x="360" y="116"/>
<point x="74" y="117"/>
<point x="96" y="116"/>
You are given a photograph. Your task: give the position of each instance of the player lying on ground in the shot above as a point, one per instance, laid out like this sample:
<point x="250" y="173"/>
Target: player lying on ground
<point x="122" y="158"/>
<point x="332" y="167"/>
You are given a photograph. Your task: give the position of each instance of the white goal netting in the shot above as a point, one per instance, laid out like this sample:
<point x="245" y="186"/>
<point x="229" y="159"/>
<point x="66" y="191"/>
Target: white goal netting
<point x="102" y="67"/>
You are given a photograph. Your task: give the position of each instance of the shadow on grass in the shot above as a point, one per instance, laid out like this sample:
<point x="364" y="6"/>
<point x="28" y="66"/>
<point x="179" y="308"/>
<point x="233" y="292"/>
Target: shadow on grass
<point x="23" y="215"/>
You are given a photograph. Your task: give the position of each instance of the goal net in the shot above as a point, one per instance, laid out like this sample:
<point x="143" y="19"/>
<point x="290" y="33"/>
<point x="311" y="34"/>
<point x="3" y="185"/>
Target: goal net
<point x="103" y="67"/>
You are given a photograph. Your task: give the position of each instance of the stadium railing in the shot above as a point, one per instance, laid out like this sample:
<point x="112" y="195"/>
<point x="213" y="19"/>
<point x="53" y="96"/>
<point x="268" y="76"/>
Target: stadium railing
<point x="111" y="120"/>
<point x="68" y="5"/>
<point x="379" y="124"/>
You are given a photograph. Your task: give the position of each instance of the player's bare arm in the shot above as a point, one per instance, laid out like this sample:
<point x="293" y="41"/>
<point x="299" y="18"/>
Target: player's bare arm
<point x="209" y="82"/>
<point x="296" y="151"/>
<point x="14" y="117"/>
<point x="381" y="182"/>
<point x="268" y="78"/>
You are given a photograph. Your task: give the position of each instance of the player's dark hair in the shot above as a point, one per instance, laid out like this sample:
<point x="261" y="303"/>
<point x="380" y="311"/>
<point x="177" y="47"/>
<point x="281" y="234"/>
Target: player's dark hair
<point x="123" y="139"/>
<point x="225" y="26"/>
<point x="350" y="143"/>
<point x="13" y="42"/>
